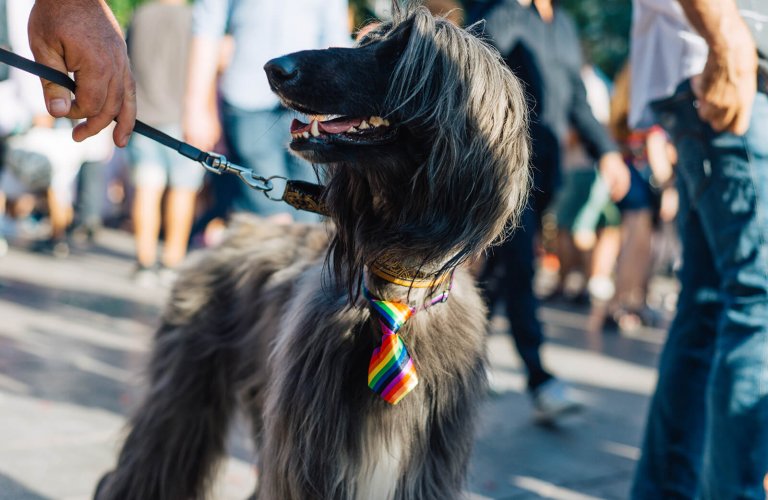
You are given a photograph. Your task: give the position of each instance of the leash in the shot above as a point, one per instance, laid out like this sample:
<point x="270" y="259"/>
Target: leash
<point x="299" y="194"/>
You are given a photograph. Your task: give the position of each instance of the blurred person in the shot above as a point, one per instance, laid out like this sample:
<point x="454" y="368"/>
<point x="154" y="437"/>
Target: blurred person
<point x="646" y="153"/>
<point x="540" y="44"/>
<point x="83" y="37"/>
<point x="695" y="71"/>
<point x="254" y="125"/>
<point x="40" y="139"/>
<point x="159" y="37"/>
<point x="587" y="220"/>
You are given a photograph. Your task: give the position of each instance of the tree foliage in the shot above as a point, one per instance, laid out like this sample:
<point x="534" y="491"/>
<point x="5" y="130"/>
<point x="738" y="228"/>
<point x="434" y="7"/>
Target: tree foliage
<point x="604" y="30"/>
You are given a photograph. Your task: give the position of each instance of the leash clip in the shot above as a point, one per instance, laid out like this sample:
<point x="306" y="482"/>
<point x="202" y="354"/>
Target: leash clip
<point x="219" y="164"/>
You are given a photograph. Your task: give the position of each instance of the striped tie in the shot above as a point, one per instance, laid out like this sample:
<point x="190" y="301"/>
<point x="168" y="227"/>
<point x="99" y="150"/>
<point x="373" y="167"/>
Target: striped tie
<point x="391" y="373"/>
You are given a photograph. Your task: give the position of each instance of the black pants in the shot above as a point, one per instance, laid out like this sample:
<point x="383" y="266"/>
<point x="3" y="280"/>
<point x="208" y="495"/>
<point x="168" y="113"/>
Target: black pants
<point x="508" y="278"/>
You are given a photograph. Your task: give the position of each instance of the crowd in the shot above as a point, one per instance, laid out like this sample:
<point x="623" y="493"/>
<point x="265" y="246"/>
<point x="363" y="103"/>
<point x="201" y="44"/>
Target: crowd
<point x="676" y="135"/>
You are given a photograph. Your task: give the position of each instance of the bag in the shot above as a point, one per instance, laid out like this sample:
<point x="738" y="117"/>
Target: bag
<point x="33" y="170"/>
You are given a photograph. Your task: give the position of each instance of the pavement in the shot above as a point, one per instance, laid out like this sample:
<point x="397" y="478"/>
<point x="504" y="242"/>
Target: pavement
<point x="74" y="339"/>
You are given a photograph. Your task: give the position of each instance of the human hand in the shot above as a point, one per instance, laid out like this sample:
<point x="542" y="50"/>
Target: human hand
<point x="201" y="127"/>
<point x="83" y="37"/>
<point x="615" y="173"/>
<point x="727" y="86"/>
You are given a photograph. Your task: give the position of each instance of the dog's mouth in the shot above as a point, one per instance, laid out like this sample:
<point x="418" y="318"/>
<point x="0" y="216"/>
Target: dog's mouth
<point x="341" y="130"/>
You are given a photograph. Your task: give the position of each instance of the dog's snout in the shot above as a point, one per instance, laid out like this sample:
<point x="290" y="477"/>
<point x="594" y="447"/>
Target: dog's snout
<point x="281" y="70"/>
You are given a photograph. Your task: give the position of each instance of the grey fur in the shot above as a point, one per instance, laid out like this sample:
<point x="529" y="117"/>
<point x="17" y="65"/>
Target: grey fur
<point x="260" y="322"/>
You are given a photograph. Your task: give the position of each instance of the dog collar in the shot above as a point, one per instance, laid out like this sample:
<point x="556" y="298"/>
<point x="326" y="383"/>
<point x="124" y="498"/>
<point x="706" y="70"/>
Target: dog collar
<point x="393" y="271"/>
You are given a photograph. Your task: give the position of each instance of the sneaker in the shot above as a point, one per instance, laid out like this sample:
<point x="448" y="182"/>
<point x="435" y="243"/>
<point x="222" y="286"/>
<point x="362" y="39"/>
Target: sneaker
<point x="145" y="277"/>
<point x="553" y="399"/>
<point x="167" y="276"/>
<point x="59" y="248"/>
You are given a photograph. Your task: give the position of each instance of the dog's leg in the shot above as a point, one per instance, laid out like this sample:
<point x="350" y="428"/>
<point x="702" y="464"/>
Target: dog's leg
<point x="178" y="433"/>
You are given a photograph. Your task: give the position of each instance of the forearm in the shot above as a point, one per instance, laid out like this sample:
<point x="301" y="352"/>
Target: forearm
<point x="714" y="20"/>
<point x="203" y="64"/>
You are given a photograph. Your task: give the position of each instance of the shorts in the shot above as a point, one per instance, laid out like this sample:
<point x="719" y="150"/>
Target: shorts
<point x="640" y="195"/>
<point x="158" y="166"/>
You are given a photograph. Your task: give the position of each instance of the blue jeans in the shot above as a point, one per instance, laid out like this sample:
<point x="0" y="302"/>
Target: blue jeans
<point x="259" y="140"/>
<point x="707" y="430"/>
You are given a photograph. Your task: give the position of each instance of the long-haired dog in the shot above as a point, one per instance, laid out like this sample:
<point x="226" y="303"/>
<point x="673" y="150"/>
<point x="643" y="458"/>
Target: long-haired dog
<point x="424" y="165"/>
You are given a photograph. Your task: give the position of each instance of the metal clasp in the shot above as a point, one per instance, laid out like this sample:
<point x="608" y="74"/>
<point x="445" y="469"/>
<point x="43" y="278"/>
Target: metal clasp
<point x="219" y="164"/>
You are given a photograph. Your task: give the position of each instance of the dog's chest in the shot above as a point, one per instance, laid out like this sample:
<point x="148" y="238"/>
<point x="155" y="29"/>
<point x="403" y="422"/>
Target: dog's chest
<point x="380" y="467"/>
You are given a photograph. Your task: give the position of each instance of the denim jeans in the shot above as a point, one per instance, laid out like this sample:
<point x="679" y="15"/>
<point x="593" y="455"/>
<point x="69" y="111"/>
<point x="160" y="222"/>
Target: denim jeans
<point x="707" y="429"/>
<point x="259" y="140"/>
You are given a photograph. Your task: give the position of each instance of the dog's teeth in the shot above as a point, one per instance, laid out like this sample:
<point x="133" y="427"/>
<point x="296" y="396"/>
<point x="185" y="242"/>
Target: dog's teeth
<point x="363" y="125"/>
<point x="305" y="135"/>
<point x="385" y="122"/>
<point x="351" y="130"/>
<point x="378" y="121"/>
<point x="314" y="129"/>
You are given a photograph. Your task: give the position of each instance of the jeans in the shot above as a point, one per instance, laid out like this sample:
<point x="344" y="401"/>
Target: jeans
<point x="707" y="429"/>
<point x="259" y="140"/>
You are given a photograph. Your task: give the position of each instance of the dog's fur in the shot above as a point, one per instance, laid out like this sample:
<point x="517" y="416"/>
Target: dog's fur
<point x="273" y="319"/>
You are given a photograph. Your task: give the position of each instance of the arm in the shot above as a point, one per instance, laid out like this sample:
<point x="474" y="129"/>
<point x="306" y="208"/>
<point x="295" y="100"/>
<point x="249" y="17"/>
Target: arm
<point x="82" y="37"/>
<point x="596" y="140"/>
<point x="200" y="122"/>
<point x="727" y="86"/>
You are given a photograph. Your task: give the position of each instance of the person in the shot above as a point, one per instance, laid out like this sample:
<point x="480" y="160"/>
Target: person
<point x="42" y="159"/>
<point x="646" y="152"/>
<point x="695" y="70"/>
<point x="159" y="37"/>
<point x="540" y="44"/>
<point x="254" y="125"/>
<point x="83" y="37"/>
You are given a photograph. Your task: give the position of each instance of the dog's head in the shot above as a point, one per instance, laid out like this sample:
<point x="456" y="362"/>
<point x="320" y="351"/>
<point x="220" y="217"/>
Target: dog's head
<point x="420" y="132"/>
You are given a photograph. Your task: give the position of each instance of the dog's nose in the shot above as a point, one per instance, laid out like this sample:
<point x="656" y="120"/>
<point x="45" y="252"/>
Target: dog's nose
<point x="281" y="70"/>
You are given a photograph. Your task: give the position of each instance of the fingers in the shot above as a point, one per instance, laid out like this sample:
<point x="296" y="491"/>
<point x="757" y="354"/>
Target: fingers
<point x="58" y="100"/>
<point x="126" y="119"/>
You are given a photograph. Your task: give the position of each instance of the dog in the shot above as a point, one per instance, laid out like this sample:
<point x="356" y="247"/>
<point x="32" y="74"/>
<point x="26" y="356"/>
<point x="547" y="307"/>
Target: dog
<point x="419" y="136"/>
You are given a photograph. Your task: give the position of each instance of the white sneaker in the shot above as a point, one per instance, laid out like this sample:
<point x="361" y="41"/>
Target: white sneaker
<point x="554" y="399"/>
<point x="145" y="277"/>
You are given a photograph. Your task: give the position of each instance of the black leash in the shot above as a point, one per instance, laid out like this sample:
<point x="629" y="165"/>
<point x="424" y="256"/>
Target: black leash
<point x="212" y="162"/>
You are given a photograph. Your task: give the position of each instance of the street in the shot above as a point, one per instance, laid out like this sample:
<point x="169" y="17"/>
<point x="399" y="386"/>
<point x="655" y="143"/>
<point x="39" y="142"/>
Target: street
<point x="74" y="338"/>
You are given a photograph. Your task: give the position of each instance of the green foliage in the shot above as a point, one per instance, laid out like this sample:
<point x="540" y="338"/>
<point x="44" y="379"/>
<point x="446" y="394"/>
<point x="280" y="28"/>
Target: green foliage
<point x="123" y="9"/>
<point x="604" y="30"/>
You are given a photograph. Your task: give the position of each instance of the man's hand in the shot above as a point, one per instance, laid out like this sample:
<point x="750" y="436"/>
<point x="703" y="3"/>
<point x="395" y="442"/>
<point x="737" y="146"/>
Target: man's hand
<point x="83" y="37"/>
<point x="727" y="86"/>
<point x="615" y="174"/>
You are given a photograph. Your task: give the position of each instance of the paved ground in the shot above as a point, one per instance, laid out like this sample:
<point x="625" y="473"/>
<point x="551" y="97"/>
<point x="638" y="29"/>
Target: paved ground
<point x="74" y="337"/>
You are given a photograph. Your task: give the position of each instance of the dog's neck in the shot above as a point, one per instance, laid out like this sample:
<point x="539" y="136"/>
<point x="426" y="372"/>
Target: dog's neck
<point x="396" y="271"/>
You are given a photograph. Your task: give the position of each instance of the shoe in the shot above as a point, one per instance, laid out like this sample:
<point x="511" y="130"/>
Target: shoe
<point x="167" y="276"/>
<point x="59" y="248"/>
<point x="553" y="399"/>
<point x="145" y="276"/>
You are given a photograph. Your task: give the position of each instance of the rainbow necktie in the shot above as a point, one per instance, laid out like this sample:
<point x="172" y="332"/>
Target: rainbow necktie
<point x="391" y="373"/>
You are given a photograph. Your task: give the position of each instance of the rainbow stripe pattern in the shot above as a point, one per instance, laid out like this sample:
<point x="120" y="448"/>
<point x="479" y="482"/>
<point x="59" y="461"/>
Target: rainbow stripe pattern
<point x="391" y="373"/>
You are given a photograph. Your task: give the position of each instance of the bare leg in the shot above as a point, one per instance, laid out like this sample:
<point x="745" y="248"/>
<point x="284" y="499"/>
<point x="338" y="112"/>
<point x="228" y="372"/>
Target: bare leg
<point x="179" y="213"/>
<point x="146" y="223"/>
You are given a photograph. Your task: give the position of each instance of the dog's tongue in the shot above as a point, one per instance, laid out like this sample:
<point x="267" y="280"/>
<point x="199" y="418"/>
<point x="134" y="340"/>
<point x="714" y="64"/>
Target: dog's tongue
<point x="335" y="126"/>
<point x="339" y="125"/>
